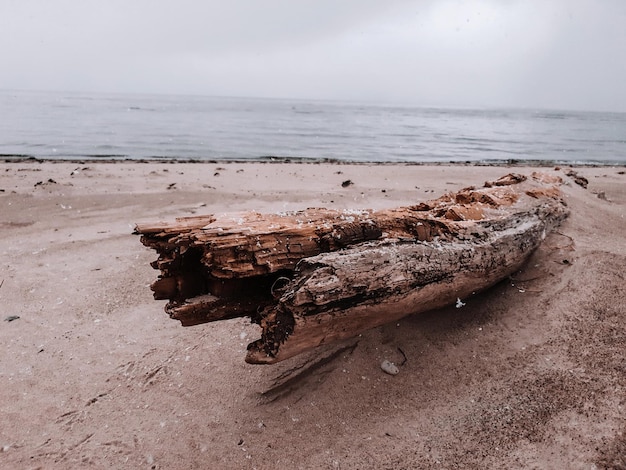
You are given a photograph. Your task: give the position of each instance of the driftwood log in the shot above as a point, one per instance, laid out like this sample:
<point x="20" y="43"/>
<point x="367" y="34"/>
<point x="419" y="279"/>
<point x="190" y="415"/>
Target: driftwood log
<point x="319" y="275"/>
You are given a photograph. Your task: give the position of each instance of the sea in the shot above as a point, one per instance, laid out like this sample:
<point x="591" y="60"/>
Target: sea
<point x="71" y="126"/>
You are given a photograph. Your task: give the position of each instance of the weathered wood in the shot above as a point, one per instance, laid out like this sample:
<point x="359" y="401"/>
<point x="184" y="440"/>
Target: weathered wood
<point x="319" y="275"/>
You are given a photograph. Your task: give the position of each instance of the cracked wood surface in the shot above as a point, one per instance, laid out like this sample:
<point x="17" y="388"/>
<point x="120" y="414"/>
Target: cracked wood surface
<point x="319" y="275"/>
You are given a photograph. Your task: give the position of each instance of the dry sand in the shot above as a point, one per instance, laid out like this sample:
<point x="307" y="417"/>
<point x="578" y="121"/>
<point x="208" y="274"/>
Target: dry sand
<point x="530" y="374"/>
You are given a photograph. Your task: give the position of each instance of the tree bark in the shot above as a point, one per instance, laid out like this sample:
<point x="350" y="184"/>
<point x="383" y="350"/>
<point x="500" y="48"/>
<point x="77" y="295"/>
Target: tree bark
<point x="320" y="275"/>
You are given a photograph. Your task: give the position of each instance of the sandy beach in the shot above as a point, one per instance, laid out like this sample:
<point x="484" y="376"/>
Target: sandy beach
<point x="529" y="374"/>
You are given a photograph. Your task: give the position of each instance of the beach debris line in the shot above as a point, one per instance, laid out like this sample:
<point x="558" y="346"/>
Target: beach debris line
<point x="318" y="275"/>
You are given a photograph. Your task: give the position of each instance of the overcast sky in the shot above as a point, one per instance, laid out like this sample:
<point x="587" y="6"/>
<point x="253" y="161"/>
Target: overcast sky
<point x="568" y="54"/>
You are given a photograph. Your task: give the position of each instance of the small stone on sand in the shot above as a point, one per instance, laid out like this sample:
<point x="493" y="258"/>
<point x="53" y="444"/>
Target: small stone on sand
<point x="389" y="367"/>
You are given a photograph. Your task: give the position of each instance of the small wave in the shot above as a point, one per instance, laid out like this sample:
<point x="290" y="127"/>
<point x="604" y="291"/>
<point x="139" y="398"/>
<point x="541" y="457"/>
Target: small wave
<point x="551" y="116"/>
<point x="139" y="108"/>
<point x="17" y="156"/>
<point x="303" y="111"/>
<point x="105" y="155"/>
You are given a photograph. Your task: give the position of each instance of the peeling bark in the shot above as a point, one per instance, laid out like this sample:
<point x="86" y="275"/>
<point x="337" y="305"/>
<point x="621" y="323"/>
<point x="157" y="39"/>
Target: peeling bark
<point x="320" y="275"/>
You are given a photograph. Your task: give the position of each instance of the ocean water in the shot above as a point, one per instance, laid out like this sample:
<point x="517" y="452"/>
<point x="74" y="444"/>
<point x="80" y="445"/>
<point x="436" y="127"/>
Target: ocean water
<point x="56" y="125"/>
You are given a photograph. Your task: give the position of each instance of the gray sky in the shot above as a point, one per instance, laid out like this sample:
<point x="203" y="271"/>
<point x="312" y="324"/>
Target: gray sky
<point x="553" y="54"/>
